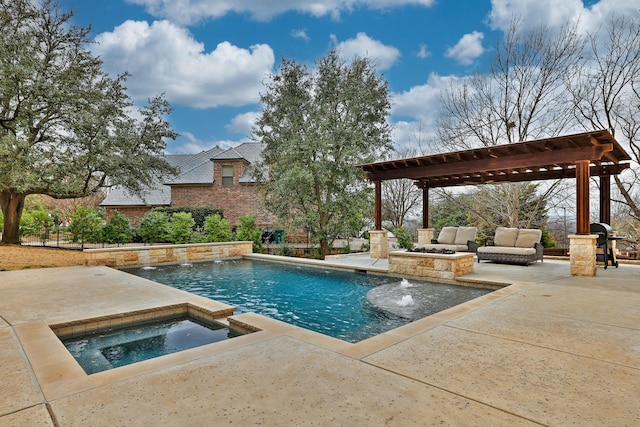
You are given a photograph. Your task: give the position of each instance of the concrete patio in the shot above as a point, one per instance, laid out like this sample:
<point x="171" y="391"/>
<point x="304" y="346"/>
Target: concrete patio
<point x="550" y="349"/>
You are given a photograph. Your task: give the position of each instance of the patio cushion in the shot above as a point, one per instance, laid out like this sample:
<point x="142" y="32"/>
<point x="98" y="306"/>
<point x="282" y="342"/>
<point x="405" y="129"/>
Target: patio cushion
<point x="447" y="235"/>
<point x="505" y="237"/>
<point x="528" y="237"/>
<point x="465" y="234"/>
<point x="506" y="251"/>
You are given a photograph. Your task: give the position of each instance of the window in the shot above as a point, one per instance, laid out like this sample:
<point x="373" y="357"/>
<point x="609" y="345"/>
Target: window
<point x="227" y="176"/>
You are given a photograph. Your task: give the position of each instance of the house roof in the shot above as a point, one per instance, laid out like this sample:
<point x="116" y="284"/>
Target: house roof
<point x="192" y="169"/>
<point x="197" y="170"/>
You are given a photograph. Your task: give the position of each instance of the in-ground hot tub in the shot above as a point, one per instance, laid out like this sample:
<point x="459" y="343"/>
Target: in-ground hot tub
<point x="137" y="338"/>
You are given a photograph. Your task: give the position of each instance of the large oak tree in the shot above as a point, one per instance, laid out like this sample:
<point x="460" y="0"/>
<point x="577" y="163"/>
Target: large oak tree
<point x="317" y="125"/>
<point x="66" y="127"/>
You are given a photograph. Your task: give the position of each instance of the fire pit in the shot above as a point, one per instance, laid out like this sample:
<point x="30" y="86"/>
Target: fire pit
<point x="432" y="251"/>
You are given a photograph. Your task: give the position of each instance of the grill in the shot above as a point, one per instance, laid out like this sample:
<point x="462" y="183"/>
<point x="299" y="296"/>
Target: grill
<point x="604" y="243"/>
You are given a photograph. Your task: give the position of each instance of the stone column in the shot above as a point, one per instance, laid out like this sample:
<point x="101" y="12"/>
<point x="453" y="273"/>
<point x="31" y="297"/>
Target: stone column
<point x="582" y="261"/>
<point x="425" y="235"/>
<point x="379" y="243"/>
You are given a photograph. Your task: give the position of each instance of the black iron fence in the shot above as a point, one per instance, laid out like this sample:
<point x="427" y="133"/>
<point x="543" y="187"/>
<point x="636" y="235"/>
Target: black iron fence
<point x="64" y="240"/>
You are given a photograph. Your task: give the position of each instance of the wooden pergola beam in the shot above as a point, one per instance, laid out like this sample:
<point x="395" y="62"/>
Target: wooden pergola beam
<point x="518" y="161"/>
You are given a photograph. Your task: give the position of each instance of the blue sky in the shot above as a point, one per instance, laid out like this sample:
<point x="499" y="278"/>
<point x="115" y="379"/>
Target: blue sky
<point x="210" y="57"/>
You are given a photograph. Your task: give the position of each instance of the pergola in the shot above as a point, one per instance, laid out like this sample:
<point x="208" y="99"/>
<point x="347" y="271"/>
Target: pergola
<point x="578" y="156"/>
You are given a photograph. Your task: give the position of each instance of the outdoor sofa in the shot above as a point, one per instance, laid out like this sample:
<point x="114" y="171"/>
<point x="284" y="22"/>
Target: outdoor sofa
<point x="458" y="239"/>
<point x="513" y="246"/>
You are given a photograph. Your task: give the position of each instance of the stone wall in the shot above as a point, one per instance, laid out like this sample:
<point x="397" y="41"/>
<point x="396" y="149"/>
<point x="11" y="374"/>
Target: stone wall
<point x="165" y="254"/>
<point x="433" y="266"/>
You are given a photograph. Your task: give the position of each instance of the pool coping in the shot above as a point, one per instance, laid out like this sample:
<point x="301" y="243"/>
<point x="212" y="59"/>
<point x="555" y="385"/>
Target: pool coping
<point x="59" y="374"/>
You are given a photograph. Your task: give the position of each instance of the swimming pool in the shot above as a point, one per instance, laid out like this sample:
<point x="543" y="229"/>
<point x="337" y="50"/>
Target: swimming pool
<point x="328" y="301"/>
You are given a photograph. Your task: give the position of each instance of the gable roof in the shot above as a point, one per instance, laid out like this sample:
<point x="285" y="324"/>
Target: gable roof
<point x="192" y="169"/>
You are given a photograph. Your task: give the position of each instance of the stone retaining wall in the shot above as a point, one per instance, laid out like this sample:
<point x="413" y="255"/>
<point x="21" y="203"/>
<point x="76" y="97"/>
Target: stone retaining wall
<point x="165" y="254"/>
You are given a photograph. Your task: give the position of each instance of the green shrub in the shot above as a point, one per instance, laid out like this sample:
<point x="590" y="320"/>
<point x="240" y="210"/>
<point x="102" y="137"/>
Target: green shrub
<point x="249" y="231"/>
<point x="217" y="229"/>
<point x="181" y="227"/>
<point x="86" y="225"/>
<point x="285" y="250"/>
<point x="404" y="238"/>
<point x="198" y="213"/>
<point x="36" y="223"/>
<point x="154" y="227"/>
<point x="118" y="229"/>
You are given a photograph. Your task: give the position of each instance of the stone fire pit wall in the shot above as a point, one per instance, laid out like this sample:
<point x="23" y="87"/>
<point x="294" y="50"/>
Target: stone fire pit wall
<point x="431" y="265"/>
<point x="141" y="256"/>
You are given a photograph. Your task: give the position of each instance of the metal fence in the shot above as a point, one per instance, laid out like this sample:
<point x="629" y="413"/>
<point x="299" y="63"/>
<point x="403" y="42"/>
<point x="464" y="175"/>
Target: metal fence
<point x="64" y="240"/>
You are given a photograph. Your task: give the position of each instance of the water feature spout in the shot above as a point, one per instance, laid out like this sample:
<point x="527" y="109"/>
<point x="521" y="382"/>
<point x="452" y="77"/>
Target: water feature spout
<point x="405" y="284"/>
<point x="405" y="301"/>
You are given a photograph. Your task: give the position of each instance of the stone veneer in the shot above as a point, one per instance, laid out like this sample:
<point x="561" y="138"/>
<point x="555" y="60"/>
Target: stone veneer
<point x="425" y="235"/>
<point x="434" y="266"/>
<point x="166" y="254"/>
<point x="582" y="254"/>
<point x="379" y="243"/>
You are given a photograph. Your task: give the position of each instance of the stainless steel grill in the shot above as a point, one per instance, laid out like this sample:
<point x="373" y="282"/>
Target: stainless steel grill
<point x="605" y="248"/>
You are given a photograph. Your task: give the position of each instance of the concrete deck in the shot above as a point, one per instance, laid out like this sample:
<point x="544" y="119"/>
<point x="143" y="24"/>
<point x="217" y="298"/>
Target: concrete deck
<point x="550" y="349"/>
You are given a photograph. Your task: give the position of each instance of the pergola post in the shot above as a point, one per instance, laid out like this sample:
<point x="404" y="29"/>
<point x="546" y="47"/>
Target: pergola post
<point x="425" y="207"/>
<point x="582" y="245"/>
<point x="582" y="197"/>
<point x="378" y="205"/>
<point x="605" y="199"/>
<point x="425" y="234"/>
<point x="378" y="238"/>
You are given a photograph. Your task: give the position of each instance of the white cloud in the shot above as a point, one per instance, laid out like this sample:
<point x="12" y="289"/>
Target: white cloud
<point x="468" y="48"/>
<point x="193" y="11"/>
<point x="554" y="13"/>
<point x="163" y="57"/>
<point x="300" y="34"/>
<point x="190" y="144"/>
<point x="423" y="52"/>
<point x="364" y="46"/>
<point x="416" y="111"/>
<point x="242" y="123"/>
<point x="533" y="12"/>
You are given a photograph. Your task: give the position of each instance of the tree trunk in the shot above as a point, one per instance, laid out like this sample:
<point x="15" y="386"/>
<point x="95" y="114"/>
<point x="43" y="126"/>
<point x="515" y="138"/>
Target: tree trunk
<point x="324" y="248"/>
<point x="12" y="205"/>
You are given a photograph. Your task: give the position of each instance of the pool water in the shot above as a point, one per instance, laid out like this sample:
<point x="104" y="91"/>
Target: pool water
<point x="327" y="301"/>
<point x="102" y="351"/>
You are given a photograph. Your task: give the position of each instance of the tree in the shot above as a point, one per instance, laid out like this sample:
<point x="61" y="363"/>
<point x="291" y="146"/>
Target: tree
<point x="316" y="127"/>
<point x="606" y="95"/>
<point x="65" y="128"/>
<point x="522" y="97"/>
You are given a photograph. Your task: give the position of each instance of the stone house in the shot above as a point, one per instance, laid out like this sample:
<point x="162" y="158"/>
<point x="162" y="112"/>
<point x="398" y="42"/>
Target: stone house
<point x="217" y="178"/>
